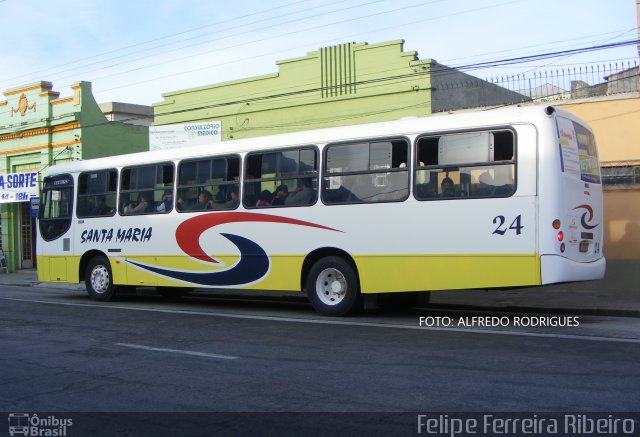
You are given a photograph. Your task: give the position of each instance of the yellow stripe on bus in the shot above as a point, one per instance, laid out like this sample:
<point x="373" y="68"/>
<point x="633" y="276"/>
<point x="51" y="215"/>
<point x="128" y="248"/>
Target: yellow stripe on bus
<point x="378" y="273"/>
<point x="441" y="272"/>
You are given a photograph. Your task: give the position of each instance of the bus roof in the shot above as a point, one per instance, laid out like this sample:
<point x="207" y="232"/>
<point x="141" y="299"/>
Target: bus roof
<point x="405" y="126"/>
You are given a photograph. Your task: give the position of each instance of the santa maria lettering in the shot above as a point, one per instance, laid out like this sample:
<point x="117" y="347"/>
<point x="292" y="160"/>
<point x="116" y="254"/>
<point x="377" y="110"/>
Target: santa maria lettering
<point x="121" y="235"/>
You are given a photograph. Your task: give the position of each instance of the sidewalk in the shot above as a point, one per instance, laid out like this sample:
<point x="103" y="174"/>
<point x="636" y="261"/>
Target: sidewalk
<point x="618" y="294"/>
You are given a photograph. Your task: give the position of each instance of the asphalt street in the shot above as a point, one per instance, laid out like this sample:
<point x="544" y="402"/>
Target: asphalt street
<point x="65" y="353"/>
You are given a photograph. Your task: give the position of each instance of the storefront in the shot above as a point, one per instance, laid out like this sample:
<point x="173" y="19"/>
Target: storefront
<point x="39" y="129"/>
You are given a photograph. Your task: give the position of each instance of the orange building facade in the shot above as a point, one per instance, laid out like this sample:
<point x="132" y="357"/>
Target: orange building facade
<point x="616" y="122"/>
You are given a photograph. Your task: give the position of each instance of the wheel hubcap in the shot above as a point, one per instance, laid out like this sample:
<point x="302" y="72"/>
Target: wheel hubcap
<point x="331" y="286"/>
<point x="100" y="279"/>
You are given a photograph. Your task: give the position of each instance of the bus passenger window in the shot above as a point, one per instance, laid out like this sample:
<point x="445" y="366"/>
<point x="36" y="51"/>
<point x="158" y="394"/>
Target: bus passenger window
<point x="479" y="164"/>
<point x="97" y="193"/>
<point x="366" y="172"/>
<point x="208" y="183"/>
<point x="143" y="189"/>
<point x="283" y="178"/>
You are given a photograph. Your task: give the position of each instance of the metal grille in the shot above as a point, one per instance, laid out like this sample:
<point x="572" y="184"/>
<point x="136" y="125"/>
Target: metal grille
<point x="574" y="83"/>
<point x="25" y="233"/>
<point x="626" y="175"/>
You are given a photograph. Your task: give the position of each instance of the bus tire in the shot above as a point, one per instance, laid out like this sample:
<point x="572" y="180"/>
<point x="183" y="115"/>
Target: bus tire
<point x="332" y="287"/>
<point x="99" y="280"/>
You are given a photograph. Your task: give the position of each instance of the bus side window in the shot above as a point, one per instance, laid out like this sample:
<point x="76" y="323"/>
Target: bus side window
<point x="207" y="183"/>
<point x="479" y="164"/>
<point x="284" y="178"/>
<point x="366" y="172"/>
<point x="97" y="193"/>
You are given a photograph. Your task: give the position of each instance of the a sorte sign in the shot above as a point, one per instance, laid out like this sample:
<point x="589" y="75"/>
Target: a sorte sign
<point x="18" y="187"/>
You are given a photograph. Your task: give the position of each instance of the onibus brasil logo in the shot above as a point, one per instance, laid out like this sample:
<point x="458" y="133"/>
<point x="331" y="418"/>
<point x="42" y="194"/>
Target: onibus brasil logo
<point x="26" y="424"/>
<point x="252" y="265"/>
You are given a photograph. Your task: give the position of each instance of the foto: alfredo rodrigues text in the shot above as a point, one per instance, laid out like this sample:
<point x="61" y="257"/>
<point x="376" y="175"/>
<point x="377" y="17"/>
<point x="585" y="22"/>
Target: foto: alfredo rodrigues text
<point x="496" y="321"/>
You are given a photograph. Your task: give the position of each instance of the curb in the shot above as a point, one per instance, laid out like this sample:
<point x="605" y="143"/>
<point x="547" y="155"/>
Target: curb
<point x="601" y="312"/>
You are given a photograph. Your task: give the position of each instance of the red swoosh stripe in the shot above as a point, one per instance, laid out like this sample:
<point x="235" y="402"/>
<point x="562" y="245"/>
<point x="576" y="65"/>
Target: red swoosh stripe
<point x="188" y="232"/>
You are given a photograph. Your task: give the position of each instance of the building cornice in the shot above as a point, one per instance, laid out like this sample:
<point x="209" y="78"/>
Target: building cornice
<point x="63" y="100"/>
<point x="53" y="94"/>
<point x="36" y="147"/>
<point x="41" y="86"/>
<point x="40" y="131"/>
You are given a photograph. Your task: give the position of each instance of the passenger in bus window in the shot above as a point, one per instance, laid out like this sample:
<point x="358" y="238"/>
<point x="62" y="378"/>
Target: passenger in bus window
<point x="447" y="188"/>
<point x="234" y="199"/>
<point x="280" y="195"/>
<point x="485" y="184"/>
<point x="205" y="200"/>
<point x="139" y="207"/>
<point x="264" y="199"/>
<point x="304" y="195"/>
<point x="166" y="204"/>
<point x="101" y="207"/>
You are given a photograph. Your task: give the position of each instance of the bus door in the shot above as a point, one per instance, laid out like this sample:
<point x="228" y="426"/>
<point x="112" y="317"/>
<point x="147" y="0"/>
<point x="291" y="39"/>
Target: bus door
<point x="54" y="222"/>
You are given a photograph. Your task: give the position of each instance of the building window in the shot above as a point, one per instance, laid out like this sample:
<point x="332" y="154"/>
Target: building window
<point x="623" y="176"/>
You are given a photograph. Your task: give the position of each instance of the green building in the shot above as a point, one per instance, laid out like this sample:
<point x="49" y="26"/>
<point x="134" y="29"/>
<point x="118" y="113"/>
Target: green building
<point x="39" y="129"/>
<point x="340" y="85"/>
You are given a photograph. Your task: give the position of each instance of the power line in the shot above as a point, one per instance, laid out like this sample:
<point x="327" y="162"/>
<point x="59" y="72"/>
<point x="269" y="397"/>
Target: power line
<point x="66" y="64"/>
<point x="434" y="72"/>
<point x="173" y="60"/>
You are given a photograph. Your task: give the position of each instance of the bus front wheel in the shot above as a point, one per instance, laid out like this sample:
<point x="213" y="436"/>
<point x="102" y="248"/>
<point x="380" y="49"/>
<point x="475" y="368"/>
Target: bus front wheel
<point x="99" y="280"/>
<point x="332" y="287"/>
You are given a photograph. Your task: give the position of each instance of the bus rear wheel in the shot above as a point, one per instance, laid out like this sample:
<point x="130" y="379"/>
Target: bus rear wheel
<point x="99" y="280"/>
<point x="332" y="287"/>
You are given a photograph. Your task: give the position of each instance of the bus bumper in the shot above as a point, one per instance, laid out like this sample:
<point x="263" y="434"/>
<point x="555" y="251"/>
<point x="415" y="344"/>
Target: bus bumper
<point x="555" y="268"/>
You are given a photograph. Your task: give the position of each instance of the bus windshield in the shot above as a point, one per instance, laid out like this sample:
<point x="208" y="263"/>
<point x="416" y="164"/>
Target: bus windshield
<point x="56" y="206"/>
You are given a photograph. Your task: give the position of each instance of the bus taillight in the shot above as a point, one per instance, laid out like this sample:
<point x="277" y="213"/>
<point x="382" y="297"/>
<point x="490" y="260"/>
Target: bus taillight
<point x="556" y="224"/>
<point x="560" y="236"/>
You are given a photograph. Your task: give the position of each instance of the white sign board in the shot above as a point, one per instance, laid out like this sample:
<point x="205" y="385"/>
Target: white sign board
<point x="18" y="187"/>
<point x="171" y="136"/>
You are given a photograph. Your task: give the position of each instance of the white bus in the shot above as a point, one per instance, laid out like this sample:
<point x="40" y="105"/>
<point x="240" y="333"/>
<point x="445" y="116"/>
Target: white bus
<point x="500" y="198"/>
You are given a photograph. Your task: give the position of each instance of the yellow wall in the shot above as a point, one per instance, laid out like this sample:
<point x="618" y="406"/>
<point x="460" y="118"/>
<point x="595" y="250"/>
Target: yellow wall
<point x="616" y="123"/>
<point x="622" y="224"/>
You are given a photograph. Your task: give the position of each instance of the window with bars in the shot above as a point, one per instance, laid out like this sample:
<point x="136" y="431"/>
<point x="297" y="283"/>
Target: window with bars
<point x="627" y="175"/>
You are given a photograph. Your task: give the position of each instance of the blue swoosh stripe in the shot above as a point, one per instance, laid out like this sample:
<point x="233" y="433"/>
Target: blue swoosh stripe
<point x="253" y="265"/>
